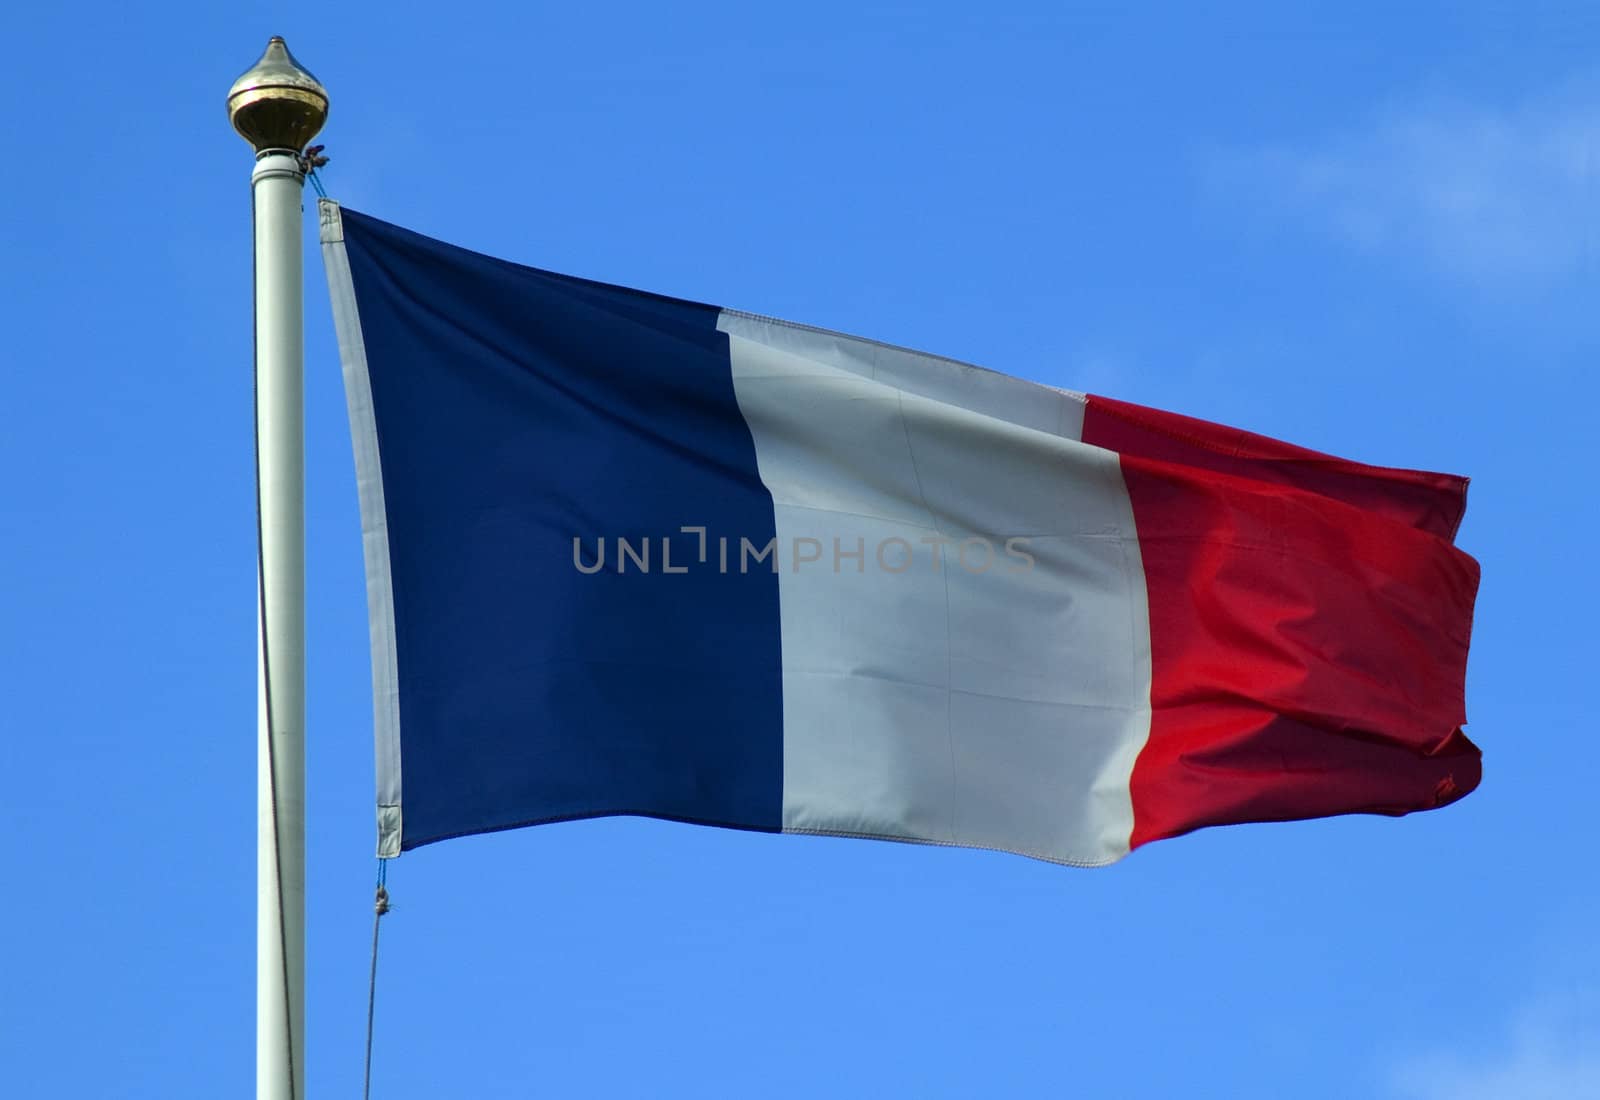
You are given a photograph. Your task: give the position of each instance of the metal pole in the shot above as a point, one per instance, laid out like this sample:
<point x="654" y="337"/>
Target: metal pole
<point x="280" y="473"/>
<point x="278" y="107"/>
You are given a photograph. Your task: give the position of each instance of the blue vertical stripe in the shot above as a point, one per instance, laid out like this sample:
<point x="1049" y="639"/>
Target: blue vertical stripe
<point x="517" y="410"/>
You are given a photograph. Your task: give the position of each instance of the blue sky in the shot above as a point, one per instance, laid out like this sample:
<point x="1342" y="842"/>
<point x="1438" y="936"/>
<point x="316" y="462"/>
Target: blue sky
<point x="1365" y="228"/>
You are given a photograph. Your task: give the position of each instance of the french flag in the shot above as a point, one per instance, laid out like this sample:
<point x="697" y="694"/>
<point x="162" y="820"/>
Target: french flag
<point x="628" y="554"/>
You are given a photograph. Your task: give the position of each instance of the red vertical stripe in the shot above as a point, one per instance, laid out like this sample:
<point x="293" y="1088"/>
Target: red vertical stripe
<point x="1309" y="625"/>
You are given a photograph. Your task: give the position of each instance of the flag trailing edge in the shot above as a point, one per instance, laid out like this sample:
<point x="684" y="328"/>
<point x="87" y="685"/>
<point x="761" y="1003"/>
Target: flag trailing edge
<point x="628" y="554"/>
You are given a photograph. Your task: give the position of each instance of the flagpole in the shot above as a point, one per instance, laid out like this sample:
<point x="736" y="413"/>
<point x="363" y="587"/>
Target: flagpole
<point x="278" y="107"/>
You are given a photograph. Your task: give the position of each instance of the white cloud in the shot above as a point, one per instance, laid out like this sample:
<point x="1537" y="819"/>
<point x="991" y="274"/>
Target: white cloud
<point x="1551" y="1052"/>
<point x="1482" y="194"/>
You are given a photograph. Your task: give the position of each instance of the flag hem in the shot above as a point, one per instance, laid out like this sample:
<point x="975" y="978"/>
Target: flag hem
<point x="374" y="528"/>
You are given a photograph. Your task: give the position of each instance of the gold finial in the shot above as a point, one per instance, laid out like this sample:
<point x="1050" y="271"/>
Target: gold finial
<point x="277" y="104"/>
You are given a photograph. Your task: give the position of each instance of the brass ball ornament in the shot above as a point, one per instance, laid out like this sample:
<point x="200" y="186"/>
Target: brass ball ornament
<point x="277" y="103"/>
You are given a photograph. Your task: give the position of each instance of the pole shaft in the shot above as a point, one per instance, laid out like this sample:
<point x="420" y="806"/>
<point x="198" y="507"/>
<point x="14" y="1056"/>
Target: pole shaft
<point x="280" y="471"/>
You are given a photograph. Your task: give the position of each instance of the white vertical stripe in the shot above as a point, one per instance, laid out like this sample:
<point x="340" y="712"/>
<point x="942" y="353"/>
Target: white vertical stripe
<point x="374" y="528"/>
<point x="998" y="707"/>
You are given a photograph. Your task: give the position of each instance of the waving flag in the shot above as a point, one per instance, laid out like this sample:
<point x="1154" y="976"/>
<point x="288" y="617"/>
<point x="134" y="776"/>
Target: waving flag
<point x="628" y="554"/>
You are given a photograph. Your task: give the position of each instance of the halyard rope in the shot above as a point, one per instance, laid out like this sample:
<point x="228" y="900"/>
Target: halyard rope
<point x="380" y="907"/>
